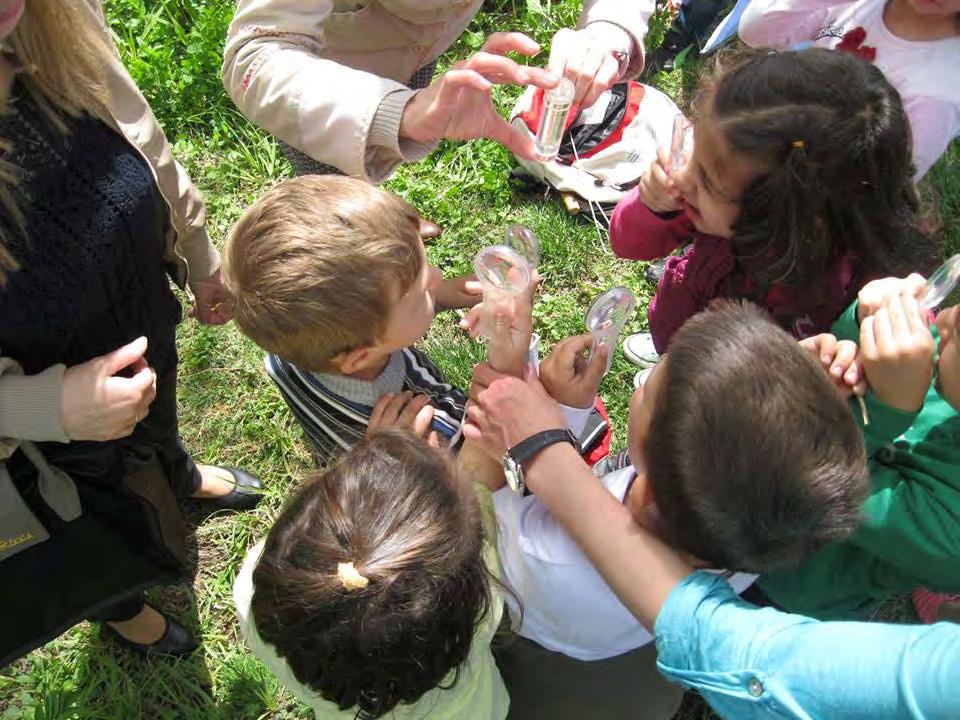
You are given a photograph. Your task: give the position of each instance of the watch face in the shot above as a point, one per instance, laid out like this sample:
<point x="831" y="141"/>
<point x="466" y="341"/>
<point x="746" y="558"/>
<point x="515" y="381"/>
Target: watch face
<point x="513" y="474"/>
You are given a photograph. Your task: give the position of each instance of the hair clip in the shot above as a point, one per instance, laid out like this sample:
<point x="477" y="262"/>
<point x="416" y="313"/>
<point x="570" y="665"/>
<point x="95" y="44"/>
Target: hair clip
<point x="799" y="144"/>
<point x="350" y="577"/>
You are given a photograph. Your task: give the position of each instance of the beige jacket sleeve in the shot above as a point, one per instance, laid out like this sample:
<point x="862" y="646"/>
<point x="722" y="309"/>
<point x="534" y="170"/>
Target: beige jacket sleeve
<point x="29" y="406"/>
<point x="136" y="121"/>
<point x="631" y="15"/>
<point x="338" y="115"/>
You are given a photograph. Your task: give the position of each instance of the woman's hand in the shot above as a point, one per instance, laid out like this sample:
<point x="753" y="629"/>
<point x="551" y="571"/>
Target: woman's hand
<point x="212" y="303"/>
<point x="587" y="58"/>
<point x="458" y="106"/>
<point x="95" y="404"/>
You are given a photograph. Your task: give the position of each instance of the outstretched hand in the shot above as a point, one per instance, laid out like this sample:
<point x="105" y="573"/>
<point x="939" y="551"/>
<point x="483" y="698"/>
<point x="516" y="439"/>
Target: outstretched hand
<point x="458" y="105"/>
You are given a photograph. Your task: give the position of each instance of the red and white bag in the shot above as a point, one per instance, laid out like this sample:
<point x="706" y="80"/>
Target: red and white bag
<point x="606" y="148"/>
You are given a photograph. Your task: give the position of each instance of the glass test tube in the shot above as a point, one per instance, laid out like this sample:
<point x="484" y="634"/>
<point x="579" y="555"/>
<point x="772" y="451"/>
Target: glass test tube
<point x="503" y="274"/>
<point x="553" y="120"/>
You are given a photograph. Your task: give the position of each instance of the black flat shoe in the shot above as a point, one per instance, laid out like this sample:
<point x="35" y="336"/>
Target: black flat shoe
<point x="176" y="641"/>
<point x="244" y="496"/>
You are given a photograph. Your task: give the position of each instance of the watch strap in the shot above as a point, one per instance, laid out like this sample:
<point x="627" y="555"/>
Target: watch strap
<point x="526" y="449"/>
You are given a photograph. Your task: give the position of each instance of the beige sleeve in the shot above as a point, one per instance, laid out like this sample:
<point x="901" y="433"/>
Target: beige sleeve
<point x="631" y="15"/>
<point x="273" y="70"/>
<point x="137" y="122"/>
<point x="29" y="406"/>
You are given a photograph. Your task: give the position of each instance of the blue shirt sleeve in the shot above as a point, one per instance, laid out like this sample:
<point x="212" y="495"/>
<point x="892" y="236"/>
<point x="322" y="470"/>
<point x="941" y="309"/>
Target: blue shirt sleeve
<point x="751" y="662"/>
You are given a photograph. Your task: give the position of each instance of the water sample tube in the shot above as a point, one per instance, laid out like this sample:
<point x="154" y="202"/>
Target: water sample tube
<point x="503" y="274"/>
<point x="681" y="148"/>
<point x="553" y="120"/>
<point x="522" y="239"/>
<point x="941" y="283"/>
<point x="606" y="318"/>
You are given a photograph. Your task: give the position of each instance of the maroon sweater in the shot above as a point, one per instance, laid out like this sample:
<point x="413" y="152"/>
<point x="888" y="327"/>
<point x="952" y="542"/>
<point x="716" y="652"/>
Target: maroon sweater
<point x="708" y="269"/>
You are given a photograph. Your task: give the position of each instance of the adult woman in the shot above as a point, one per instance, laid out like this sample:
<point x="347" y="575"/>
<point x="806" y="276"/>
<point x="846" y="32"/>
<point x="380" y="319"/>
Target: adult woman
<point x="94" y="212"/>
<point x="345" y="83"/>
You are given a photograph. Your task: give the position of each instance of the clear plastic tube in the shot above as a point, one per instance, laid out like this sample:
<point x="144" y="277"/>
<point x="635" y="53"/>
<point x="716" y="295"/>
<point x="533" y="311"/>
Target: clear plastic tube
<point x="503" y="274"/>
<point x="553" y="119"/>
<point x="606" y="318"/>
<point x="941" y="283"/>
<point x="522" y="239"/>
<point x="682" y="146"/>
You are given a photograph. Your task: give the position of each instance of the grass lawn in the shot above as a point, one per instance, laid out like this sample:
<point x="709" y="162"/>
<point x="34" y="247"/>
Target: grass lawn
<point x="230" y="412"/>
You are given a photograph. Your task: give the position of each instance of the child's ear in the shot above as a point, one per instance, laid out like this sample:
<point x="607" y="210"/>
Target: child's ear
<point x="352" y="360"/>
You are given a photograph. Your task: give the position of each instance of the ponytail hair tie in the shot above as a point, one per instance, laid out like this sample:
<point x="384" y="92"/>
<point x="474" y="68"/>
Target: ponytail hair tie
<point x="350" y="577"/>
<point x="799" y="144"/>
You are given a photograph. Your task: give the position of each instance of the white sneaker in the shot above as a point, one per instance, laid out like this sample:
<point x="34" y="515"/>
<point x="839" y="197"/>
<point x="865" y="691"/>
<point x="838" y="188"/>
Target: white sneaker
<point x="640" y="350"/>
<point x="641" y="377"/>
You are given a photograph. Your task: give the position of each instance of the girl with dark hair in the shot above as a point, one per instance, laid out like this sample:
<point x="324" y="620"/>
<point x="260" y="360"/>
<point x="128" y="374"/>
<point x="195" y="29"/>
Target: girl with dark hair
<point x="916" y="43"/>
<point x="798" y="191"/>
<point x="374" y="595"/>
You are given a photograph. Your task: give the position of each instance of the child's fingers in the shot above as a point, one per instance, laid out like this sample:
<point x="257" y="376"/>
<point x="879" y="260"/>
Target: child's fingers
<point x="411" y="411"/>
<point x="433" y="440"/>
<point x="868" y="343"/>
<point x="826" y="349"/>
<point x="663" y="157"/>
<point x="842" y="365"/>
<point x="597" y="367"/>
<point x="391" y="412"/>
<point x="376" y="416"/>
<point x="860" y="388"/>
<point x="898" y="318"/>
<point x="421" y="423"/>
<point x="915" y="315"/>
<point x="883" y="332"/>
<point x="915" y="285"/>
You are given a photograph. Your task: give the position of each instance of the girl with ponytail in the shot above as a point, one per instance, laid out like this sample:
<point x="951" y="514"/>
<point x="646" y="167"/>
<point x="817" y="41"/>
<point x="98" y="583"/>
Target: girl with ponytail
<point x="797" y="192"/>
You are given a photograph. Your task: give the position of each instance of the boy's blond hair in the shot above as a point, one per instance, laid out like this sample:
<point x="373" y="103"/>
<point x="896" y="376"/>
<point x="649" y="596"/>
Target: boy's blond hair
<point x="315" y="266"/>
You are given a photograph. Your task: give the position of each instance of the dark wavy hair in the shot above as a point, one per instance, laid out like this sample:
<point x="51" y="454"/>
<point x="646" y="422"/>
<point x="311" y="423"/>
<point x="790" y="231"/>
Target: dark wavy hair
<point x="753" y="459"/>
<point x="834" y="143"/>
<point x="393" y="507"/>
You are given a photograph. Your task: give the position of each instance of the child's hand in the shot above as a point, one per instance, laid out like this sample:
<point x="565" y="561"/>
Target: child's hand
<point x="841" y="360"/>
<point x="404" y="410"/>
<point x="872" y="296"/>
<point x="567" y="375"/>
<point x="509" y="348"/>
<point x="897" y="350"/>
<point x="459" y="292"/>
<point x="657" y="189"/>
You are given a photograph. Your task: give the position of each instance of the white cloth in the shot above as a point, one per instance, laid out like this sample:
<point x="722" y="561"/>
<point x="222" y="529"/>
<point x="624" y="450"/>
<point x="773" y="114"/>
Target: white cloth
<point x="567" y="605"/>
<point x="926" y="74"/>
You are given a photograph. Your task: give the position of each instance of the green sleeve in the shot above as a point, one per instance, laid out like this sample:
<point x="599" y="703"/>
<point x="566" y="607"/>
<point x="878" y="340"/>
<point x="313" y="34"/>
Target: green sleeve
<point x="879" y="423"/>
<point x="912" y="520"/>
<point x="847" y="326"/>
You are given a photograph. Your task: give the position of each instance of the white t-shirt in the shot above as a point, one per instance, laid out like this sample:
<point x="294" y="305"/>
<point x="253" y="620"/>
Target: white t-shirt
<point x="567" y="606"/>
<point x="925" y="73"/>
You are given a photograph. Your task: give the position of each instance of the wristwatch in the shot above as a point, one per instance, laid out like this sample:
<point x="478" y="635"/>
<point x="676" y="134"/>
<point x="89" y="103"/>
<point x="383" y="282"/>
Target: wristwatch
<point x="524" y="450"/>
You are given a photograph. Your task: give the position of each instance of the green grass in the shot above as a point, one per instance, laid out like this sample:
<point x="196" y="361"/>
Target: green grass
<point x="229" y="410"/>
